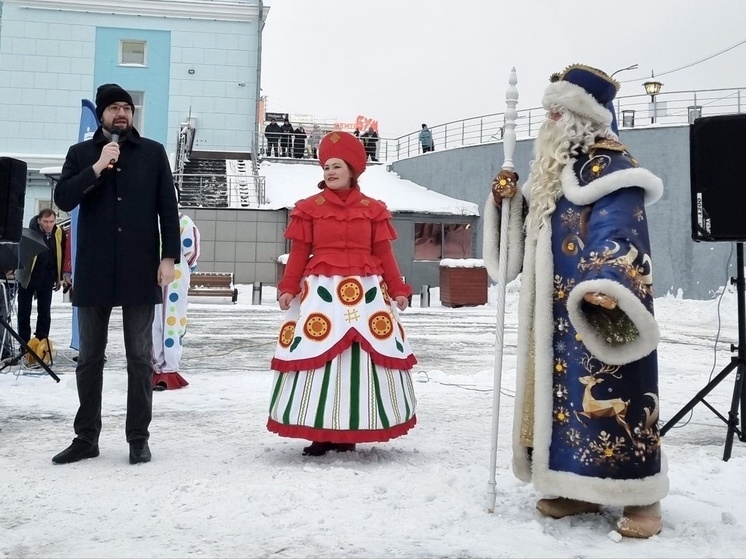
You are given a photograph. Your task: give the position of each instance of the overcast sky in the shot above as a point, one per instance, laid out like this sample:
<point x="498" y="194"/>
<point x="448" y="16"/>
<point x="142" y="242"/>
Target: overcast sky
<point x="405" y="62"/>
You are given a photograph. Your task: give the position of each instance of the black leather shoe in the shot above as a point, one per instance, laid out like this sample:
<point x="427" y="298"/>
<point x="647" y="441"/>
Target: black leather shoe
<point x="139" y="451"/>
<point x="79" y="450"/>
<point x="317" y="448"/>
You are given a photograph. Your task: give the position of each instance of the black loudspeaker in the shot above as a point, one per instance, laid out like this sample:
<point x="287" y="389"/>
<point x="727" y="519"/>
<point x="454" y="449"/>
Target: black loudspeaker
<point x="12" y="198"/>
<point x="717" y="149"/>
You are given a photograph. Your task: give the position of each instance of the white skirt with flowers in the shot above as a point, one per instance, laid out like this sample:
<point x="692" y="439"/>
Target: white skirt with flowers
<point x="342" y="364"/>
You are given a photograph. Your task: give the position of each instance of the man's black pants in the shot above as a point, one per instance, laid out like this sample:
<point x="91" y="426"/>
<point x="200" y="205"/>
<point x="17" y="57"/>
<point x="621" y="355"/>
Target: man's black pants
<point x="138" y="343"/>
<point x="43" y="309"/>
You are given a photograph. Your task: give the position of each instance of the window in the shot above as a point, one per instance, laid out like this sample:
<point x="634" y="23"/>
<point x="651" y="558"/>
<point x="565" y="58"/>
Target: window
<point x="434" y="241"/>
<point x="138" y="98"/>
<point x="132" y="53"/>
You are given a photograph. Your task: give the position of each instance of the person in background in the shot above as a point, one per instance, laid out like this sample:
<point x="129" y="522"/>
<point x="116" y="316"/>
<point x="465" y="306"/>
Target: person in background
<point x="426" y="139"/>
<point x="370" y="142"/>
<point x="40" y="278"/>
<point x="342" y="362"/>
<point x="170" y="322"/>
<point x="272" y="133"/>
<point x="299" y="143"/>
<point x="314" y="141"/>
<point x="286" y="139"/>
<point x="585" y="427"/>
<point x="126" y="249"/>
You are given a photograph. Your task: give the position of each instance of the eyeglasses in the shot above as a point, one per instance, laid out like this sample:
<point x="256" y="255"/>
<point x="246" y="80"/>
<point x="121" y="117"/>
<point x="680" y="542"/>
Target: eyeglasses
<point x="114" y="109"/>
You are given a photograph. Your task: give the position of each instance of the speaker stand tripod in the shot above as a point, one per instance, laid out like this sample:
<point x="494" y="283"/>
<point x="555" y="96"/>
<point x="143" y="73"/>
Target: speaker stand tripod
<point x="737" y="363"/>
<point x="27" y="349"/>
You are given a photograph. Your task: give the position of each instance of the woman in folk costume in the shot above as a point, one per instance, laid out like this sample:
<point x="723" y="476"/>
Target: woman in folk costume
<point x="170" y="320"/>
<point x="585" y="427"/>
<point x="342" y="362"/>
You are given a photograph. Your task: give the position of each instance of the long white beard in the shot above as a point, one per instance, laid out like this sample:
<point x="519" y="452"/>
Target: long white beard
<point x="552" y="153"/>
<point x="556" y="144"/>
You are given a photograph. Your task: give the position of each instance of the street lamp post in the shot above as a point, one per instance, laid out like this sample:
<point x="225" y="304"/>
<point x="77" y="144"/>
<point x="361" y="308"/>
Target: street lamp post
<point x="652" y="88"/>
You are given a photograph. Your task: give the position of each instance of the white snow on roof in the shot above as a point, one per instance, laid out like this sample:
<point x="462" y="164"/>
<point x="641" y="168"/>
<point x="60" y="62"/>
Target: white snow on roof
<point x="286" y="183"/>
<point x="289" y="182"/>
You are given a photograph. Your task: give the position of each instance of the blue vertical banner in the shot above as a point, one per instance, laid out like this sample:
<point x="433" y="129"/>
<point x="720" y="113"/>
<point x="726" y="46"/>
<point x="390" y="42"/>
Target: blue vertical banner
<point x="88" y="125"/>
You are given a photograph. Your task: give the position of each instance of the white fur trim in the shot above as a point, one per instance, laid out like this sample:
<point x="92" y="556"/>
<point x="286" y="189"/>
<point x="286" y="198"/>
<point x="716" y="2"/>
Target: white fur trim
<point x="535" y="318"/>
<point x="645" y="322"/>
<point x="610" y="492"/>
<point x="597" y="189"/>
<point x="576" y="99"/>
<point x="492" y="218"/>
<point x="536" y="295"/>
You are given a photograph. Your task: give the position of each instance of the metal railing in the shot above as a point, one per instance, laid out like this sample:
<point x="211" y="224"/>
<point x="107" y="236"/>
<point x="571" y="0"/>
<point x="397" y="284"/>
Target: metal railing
<point x="677" y="107"/>
<point x="222" y="191"/>
<point x="670" y="108"/>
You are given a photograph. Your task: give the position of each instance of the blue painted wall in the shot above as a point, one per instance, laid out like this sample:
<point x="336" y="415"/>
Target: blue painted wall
<point x="153" y="79"/>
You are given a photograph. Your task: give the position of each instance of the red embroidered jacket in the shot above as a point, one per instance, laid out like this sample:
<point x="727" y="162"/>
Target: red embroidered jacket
<point x="331" y="236"/>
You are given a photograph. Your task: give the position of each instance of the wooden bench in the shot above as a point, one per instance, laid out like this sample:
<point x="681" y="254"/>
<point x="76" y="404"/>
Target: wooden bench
<point x="213" y="284"/>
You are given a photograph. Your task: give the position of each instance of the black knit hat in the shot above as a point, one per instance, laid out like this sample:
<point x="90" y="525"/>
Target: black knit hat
<point x="108" y="94"/>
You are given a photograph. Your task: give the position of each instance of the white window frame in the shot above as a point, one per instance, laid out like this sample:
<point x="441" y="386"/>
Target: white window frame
<point x="144" y="44"/>
<point x="138" y="119"/>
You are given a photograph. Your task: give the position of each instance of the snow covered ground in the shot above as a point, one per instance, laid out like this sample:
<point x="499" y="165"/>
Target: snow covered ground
<point x="220" y="485"/>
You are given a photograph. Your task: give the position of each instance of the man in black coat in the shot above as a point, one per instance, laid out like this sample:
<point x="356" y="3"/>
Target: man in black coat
<point x="273" y="132"/>
<point x="370" y="142"/>
<point x="125" y="192"/>
<point x="286" y="139"/>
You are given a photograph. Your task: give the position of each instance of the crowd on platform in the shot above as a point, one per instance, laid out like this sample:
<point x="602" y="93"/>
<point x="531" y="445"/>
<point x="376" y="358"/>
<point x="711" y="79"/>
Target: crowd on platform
<point x="294" y="142"/>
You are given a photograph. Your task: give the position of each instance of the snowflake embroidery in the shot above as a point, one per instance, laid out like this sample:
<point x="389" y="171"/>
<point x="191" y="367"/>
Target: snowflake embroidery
<point x="573" y="437"/>
<point x="560" y="391"/>
<point x="562" y="325"/>
<point x="605" y="449"/>
<point x="639" y="214"/>
<point x="560" y="366"/>
<point x="561" y="415"/>
<point x="570" y="219"/>
<point x="562" y="288"/>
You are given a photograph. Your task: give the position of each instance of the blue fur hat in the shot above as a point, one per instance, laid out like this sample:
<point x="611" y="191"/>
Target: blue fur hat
<point x="585" y="91"/>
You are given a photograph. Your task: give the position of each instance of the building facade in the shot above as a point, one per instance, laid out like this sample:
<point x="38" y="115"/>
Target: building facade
<point x="196" y="60"/>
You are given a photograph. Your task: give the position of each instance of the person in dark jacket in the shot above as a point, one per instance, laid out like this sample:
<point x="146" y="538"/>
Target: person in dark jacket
<point x="127" y="245"/>
<point x="299" y="143"/>
<point x="370" y="143"/>
<point x="42" y="275"/>
<point x="273" y="132"/>
<point x="286" y="139"/>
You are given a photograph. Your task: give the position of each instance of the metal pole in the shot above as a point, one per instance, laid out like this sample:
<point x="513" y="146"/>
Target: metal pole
<point x="425" y="296"/>
<point x="256" y="293"/>
<point x="509" y="141"/>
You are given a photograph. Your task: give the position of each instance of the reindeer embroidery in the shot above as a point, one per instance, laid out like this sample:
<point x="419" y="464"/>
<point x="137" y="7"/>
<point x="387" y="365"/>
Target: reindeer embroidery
<point x="597" y="409"/>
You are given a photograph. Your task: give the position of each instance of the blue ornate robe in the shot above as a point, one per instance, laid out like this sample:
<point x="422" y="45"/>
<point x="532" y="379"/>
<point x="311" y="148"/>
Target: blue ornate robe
<point x="587" y="379"/>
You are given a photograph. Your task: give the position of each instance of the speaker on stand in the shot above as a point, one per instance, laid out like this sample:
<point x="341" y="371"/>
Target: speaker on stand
<point x="717" y="145"/>
<point x="13" y="175"/>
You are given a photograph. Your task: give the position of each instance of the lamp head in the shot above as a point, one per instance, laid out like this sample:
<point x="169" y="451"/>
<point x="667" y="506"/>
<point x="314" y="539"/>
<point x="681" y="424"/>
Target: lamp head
<point x="652" y="86"/>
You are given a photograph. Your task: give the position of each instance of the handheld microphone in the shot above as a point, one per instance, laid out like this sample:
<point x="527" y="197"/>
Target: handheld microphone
<point x="114" y="138"/>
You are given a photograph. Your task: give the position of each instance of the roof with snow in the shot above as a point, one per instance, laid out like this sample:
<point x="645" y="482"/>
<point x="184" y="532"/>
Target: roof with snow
<point x="287" y="183"/>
